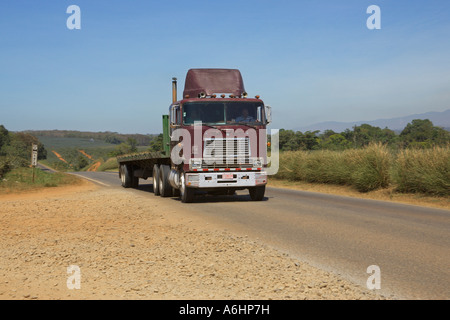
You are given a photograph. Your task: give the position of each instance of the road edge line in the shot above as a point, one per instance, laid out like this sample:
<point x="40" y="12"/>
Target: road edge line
<point x="90" y="179"/>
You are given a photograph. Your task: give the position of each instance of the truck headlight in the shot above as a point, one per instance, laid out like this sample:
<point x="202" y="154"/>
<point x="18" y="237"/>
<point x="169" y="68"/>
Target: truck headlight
<point x="192" y="178"/>
<point x="257" y="163"/>
<point x="196" y="163"/>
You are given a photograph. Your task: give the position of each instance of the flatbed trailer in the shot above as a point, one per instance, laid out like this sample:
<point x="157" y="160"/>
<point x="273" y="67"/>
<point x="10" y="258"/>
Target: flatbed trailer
<point x="140" y="165"/>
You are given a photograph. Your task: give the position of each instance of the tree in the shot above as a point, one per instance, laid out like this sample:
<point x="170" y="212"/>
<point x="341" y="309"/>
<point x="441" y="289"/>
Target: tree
<point x="418" y="130"/>
<point x="422" y="133"/>
<point x="327" y="133"/>
<point x="336" y="142"/>
<point x="113" y="140"/>
<point x="17" y="152"/>
<point x="441" y="136"/>
<point x="124" y="148"/>
<point x="364" y="134"/>
<point x="287" y="141"/>
<point x="121" y="149"/>
<point x="388" y="136"/>
<point x="132" y="143"/>
<point x="4" y="137"/>
<point x="157" y="143"/>
<point x="309" y="140"/>
<point x="15" y="149"/>
<point x="29" y="140"/>
<point x="81" y="163"/>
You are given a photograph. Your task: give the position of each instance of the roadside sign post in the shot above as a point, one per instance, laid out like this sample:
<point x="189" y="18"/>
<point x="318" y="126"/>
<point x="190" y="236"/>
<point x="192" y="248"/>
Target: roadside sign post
<point x="34" y="157"/>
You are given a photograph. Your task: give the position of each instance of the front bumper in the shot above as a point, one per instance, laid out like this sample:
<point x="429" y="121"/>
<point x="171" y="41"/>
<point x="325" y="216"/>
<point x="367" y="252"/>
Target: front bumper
<point x="226" y="179"/>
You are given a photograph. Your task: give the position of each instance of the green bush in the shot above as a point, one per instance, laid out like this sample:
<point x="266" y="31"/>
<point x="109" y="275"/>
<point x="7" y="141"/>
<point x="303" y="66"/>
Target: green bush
<point x="4" y="166"/>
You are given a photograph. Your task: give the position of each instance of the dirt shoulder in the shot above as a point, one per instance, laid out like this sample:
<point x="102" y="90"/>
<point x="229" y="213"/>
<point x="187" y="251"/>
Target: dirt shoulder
<point x="128" y="246"/>
<point x="78" y="185"/>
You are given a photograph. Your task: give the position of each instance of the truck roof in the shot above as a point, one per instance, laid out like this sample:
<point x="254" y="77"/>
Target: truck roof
<point x="211" y="81"/>
<point x="206" y="100"/>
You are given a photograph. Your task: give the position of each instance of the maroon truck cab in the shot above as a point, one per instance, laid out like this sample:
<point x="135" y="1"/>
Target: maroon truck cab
<point x="218" y="136"/>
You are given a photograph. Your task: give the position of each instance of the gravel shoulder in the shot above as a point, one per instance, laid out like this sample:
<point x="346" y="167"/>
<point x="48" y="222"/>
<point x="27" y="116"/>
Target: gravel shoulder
<point x="129" y="246"/>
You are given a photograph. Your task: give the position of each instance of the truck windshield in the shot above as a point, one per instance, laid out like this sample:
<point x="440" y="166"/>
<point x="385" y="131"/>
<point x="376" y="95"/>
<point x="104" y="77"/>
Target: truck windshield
<point x="227" y="112"/>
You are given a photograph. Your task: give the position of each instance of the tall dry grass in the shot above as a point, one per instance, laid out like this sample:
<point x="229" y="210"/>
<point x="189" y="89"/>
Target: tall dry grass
<point x="371" y="168"/>
<point x="425" y="171"/>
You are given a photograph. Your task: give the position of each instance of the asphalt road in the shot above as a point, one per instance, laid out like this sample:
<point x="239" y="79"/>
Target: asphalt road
<point x="409" y="244"/>
<point x="45" y="168"/>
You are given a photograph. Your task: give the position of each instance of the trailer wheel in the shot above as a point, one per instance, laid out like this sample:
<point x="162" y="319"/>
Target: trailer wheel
<point x="126" y="176"/>
<point x="187" y="194"/>
<point x="156" y="174"/>
<point x="257" y="193"/>
<point x="165" y="188"/>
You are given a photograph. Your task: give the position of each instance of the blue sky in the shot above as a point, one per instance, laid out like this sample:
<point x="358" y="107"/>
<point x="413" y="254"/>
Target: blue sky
<point x="312" y="61"/>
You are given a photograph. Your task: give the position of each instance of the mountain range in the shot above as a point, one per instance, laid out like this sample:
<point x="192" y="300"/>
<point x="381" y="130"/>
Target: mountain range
<point x="439" y="119"/>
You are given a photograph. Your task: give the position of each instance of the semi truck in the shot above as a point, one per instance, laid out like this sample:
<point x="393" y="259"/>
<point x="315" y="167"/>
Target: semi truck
<point x="214" y="141"/>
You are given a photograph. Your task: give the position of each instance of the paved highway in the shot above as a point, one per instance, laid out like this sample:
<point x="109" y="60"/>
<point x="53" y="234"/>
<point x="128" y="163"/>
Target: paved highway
<point x="409" y="244"/>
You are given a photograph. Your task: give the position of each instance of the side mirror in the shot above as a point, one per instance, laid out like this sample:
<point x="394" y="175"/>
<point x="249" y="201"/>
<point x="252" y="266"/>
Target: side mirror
<point x="174" y="115"/>
<point x="268" y="114"/>
<point x="259" y="114"/>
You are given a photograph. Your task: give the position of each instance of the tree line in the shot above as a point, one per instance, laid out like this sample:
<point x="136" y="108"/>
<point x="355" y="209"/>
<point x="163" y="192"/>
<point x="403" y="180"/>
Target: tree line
<point x="107" y="136"/>
<point x="130" y="146"/>
<point x="15" y="147"/>
<point x="417" y="134"/>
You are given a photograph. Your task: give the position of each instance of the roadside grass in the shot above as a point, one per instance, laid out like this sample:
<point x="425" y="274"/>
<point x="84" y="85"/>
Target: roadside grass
<point x="365" y="169"/>
<point x="372" y="168"/>
<point x="20" y="179"/>
<point x="423" y="171"/>
<point x="109" y="165"/>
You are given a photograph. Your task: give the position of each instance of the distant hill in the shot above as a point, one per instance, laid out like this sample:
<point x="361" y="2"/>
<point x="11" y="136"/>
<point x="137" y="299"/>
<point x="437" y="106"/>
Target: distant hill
<point x="439" y="119"/>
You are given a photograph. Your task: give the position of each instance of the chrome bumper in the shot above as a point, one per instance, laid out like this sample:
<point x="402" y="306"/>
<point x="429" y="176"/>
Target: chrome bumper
<point x="219" y="179"/>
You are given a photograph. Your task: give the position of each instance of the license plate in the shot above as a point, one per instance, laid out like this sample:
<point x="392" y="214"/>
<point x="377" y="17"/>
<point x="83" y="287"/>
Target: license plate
<point x="227" y="176"/>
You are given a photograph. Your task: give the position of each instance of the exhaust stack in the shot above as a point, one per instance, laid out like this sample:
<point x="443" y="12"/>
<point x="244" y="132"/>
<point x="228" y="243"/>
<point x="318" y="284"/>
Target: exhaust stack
<point x="174" y="90"/>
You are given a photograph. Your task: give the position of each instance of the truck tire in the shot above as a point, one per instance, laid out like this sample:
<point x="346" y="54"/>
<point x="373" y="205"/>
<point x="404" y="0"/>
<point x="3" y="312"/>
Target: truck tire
<point x="134" y="181"/>
<point x="165" y="188"/>
<point x="186" y="194"/>
<point x="176" y="192"/>
<point x="126" y="176"/>
<point x="257" y="193"/>
<point x="156" y="180"/>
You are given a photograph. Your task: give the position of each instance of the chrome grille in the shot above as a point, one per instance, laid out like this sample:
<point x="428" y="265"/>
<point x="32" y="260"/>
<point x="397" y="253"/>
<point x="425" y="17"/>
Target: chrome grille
<point x="226" y="153"/>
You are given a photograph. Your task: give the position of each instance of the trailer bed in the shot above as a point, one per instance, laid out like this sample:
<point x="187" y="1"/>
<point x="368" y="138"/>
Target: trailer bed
<point x="142" y="163"/>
